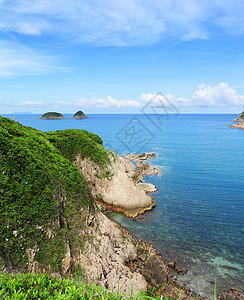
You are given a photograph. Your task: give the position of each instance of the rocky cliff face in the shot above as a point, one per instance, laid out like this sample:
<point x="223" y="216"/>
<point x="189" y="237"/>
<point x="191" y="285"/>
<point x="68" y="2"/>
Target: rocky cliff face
<point x="115" y="185"/>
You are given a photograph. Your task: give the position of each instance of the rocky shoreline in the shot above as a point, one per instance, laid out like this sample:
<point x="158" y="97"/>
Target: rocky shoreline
<point x="122" y="254"/>
<point x="117" y="186"/>
<point x="238" y="125"/>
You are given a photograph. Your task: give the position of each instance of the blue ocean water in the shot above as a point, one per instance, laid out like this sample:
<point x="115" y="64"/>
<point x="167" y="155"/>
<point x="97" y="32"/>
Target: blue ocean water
<point x="199" y="215"/>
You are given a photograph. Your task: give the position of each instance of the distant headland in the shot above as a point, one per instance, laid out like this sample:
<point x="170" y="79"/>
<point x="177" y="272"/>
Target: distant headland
<point x="52" y="116"/>
<point x="240" y="119"/>
<point x="79" y="115"/>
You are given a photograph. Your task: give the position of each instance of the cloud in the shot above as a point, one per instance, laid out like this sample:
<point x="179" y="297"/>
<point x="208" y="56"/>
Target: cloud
<point x="31" y="103"/>
<point x="97" y="102"/>
<point x="220" y="95"/>
<point x="124" y="22"/>
<point x="18" y="60"/>
<point x="27" y="28"/>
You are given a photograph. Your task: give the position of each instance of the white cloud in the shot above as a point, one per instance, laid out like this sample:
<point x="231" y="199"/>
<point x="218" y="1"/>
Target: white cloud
<point x="31" y="103"/>
<point x="220" y="95"/>
<point x="27" y="28"/>
<point x="17" y="60"/>
<point x="124" y="22"/>
<point x="97" y="102"/>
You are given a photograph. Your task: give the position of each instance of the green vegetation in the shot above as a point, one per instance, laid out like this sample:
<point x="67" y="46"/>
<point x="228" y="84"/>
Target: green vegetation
<point x="79" y="115"/>
<point x="72" y="142"/>
<point x="41" y="286"/>
<point x="52" y="115"/>
<point x="42" y="191"/>
<point x="108" y="175"/>
<point x="241" y="116"/>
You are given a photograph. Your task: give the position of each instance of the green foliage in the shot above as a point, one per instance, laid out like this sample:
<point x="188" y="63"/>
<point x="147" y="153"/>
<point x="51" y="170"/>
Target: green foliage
<point x="50" y="115"/>
<point x="41" y="286"/>
<point x="71" y="142"/>
<point x="41" y="189"/>
<point x="241" y="116"/>
<point x="107" y="174"/>
<point x="79" y="114"/>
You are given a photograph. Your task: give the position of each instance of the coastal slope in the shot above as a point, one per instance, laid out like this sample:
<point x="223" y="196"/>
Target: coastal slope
<point x="49" y="219"/>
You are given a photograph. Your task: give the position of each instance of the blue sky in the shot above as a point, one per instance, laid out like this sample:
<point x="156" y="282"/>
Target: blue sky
<point x="113" y="56"/>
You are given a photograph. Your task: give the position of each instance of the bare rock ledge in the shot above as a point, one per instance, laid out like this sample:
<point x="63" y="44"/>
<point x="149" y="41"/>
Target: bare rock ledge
<point x="238" y="126"/>
<point x="118" y="192"/>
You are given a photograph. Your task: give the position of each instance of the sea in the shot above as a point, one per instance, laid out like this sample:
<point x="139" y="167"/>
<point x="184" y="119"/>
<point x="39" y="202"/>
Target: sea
<point x="198" y="220"/>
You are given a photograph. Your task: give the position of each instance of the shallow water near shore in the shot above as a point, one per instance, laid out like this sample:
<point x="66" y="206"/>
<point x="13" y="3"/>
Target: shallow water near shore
<point x="199" y="215"/>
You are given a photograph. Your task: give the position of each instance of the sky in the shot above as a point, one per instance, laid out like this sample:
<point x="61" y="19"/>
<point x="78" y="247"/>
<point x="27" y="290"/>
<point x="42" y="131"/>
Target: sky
<point x="116" y="56"/>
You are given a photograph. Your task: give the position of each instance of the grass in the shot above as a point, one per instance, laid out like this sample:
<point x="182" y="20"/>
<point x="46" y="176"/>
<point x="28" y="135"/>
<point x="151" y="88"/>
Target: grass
<point x="71" y="142"/>
<point x="41" y="189"/>
<point x="42" y="286"/>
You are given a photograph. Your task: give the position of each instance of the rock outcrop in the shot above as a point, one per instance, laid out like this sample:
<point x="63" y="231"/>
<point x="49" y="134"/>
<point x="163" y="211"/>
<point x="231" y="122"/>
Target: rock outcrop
<point x="108" y="255"/>
<point x="146" y="187"/>
<point x="140" y="157"/>
<point x="238" y="126"/>
<point x="114" y="186"/>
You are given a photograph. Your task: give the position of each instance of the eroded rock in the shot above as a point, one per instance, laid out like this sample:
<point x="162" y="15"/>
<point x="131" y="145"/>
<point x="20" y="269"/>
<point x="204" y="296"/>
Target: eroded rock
<point x="146" y="187"/>
<point x="238" y="126"/>
<point x="116" y="190"/>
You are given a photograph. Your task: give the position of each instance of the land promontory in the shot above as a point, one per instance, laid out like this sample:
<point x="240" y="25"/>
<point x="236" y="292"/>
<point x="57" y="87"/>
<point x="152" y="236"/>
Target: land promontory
<point x="240" y="120"/>
<point x="52" y="116"/>
<point x="79" y="115"/>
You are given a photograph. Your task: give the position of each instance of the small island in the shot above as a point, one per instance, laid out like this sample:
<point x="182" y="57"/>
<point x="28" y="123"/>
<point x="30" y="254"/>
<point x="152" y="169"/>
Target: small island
<point x="79" y="115"/>
<point x="52" y="116"/>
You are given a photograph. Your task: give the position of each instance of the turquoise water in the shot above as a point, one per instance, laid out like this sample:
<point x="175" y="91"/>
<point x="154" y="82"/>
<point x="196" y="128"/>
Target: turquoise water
<point x="199" y="215"/>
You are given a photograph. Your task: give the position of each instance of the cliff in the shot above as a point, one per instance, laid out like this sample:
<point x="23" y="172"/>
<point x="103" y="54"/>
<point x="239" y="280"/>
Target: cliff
<point x="52" y="116"/>
<point x="49" y="220"/>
